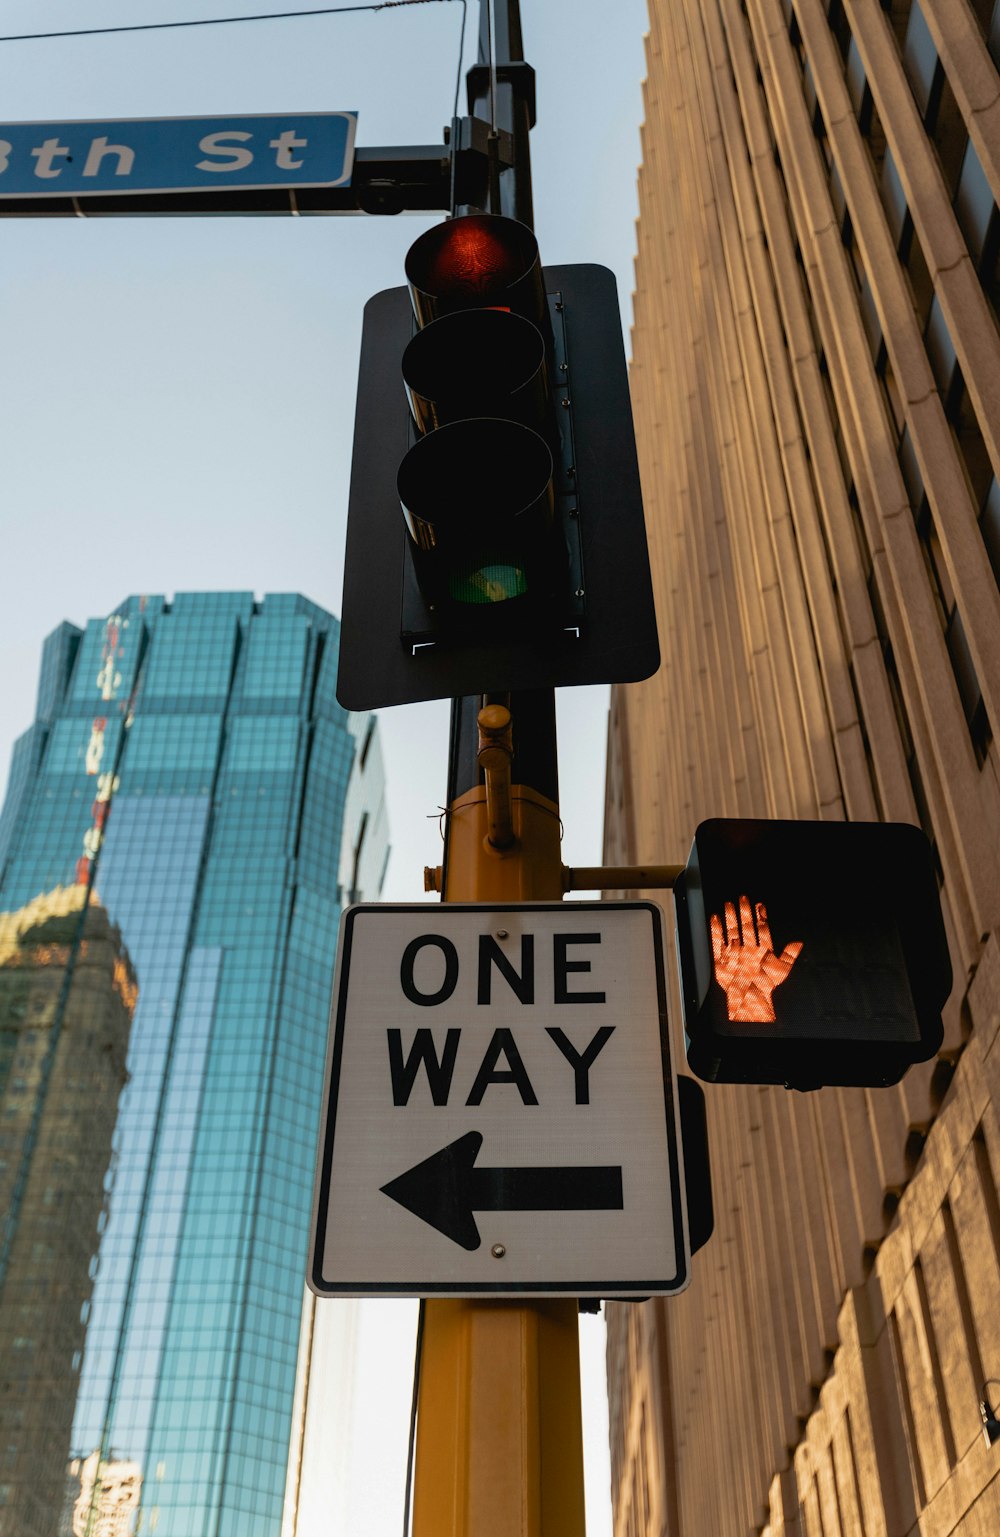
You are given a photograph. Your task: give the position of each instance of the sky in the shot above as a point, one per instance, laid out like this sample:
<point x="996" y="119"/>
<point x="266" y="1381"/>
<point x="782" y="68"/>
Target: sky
<point x="177" y="397"/>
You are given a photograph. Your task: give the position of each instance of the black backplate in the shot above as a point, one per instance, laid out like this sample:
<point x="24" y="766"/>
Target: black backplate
<point x="617" y="639"/>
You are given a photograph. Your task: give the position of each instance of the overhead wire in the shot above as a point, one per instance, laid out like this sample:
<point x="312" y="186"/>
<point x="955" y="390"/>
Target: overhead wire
<point x="220" y="21"/>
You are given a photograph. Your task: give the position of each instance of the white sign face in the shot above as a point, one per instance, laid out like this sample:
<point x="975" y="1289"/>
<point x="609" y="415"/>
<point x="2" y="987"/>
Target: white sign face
<point x="500" y="1109"/>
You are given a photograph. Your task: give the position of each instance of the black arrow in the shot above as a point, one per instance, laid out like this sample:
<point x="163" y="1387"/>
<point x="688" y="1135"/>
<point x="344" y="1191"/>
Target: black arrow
<point x="445" y="1189"/>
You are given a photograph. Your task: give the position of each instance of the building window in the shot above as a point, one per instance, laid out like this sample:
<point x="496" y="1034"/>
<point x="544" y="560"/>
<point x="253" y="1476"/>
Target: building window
<point x="893" y="198"/>
<point x="871" y="127"/>
<point x="934" y="97"/>
<point x="369" y="734"/>
<point x="921" y="284"/>
<point x="979" y="220"/>
<point x="894" y="399"/>
<point x="838" y="199"/>
<point x="909" y="750"/>
<point x="861" y="535"/>
<point x="989" y="523"/>
<point x="974" y="205"/>
<point x="969" y="438"/>
<point x="969" y="691"/>
<point x="857" y="84"/>
<point x="920" y="60"/>
<point x="966" y="679"/>
<point x="851" y="247"/>
<point x="835" y="424"/>
<point x="839" y="26"/>
<point x="940" y="350"/>
<point x="356" y="870"/>
<point x="872" y="324"/>
<point x="898" y="12"/>
<point x="937" y="571"/>
<point x="946" y="126"/>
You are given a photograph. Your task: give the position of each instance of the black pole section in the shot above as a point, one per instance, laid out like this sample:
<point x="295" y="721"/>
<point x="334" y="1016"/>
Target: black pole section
<point x="504" y="96"/>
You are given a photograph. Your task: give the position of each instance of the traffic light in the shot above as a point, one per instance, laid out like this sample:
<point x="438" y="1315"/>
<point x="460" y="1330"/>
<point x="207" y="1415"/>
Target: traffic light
<point x="495" y="533"/>
<point x="478" y="487"/>
<point x="811" y="953"/>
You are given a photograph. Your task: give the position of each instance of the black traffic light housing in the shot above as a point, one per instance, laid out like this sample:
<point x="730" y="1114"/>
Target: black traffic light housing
<point x="495" y="534"/>
<point x="478" y="488"/>
<point x="811" y="953"/>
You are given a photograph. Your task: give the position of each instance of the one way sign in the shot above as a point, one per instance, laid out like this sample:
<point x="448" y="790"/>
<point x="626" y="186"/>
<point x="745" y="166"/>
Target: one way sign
<point x="500" y="1112"/>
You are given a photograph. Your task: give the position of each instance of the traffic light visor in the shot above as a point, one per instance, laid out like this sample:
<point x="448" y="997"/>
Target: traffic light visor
<point x="479" y="505"/>
<point x="476" y="363"/>
<point x="484" y="474"/>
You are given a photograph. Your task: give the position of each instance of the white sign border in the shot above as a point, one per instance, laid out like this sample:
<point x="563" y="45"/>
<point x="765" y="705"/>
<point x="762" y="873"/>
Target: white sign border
<point x="52" y="192"/>
<point x="675" y="1205"/>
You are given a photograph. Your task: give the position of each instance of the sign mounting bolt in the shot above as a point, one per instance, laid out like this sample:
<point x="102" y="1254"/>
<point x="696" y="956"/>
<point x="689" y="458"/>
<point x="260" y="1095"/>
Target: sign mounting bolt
<point x="498" y="1251"/>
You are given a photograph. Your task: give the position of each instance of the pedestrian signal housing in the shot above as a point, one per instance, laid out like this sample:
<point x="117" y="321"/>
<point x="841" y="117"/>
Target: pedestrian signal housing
<point x="811" y="953"/>
<point x="495" y="534"/>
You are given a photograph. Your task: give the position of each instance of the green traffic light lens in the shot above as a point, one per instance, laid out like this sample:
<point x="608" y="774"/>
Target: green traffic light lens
<point x="486" y="581"/>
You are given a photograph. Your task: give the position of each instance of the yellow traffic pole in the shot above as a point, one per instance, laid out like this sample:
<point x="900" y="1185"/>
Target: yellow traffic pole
<point x="499" y="1448"/>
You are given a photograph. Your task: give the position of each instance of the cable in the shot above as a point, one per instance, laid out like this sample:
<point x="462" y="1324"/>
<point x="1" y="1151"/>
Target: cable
<point x="220" y="21"/>
<point x="418" y="1350"/>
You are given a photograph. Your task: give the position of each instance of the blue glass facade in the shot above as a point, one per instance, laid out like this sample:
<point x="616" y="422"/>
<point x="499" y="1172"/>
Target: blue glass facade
<point x="190" y="763"/>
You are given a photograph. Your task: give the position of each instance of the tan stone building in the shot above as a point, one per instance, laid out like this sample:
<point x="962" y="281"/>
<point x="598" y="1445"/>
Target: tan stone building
<point x="816" y="379"/>
<point x="67" y="995"/>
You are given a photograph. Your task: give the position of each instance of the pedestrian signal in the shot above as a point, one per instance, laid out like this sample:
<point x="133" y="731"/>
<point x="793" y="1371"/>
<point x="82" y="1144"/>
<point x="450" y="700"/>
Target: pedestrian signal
<point x="811" y="953"/>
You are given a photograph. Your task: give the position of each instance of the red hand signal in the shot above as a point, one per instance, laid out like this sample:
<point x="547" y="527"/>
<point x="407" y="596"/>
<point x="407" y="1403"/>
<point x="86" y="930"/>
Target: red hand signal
<point x="746" y="966"/>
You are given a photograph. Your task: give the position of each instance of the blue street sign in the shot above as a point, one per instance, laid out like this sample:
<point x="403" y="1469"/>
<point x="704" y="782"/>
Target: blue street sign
<point x="177" y="154"/>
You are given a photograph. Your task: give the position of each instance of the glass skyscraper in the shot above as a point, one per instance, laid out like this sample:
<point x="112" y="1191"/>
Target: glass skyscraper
<point x="190" y="770"/>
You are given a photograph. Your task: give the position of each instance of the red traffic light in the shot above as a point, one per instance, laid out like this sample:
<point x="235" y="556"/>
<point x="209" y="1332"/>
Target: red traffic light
<point x="477" y="486"/>
<point x="478" y="261"/>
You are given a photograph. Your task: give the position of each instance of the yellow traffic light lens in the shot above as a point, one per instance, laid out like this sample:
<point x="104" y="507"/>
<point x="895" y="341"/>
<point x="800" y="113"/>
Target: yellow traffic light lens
<point x="485" y="362"/>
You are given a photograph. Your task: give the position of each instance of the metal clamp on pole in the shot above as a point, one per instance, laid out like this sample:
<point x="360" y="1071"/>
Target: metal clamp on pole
<point x="495" y="755"/>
